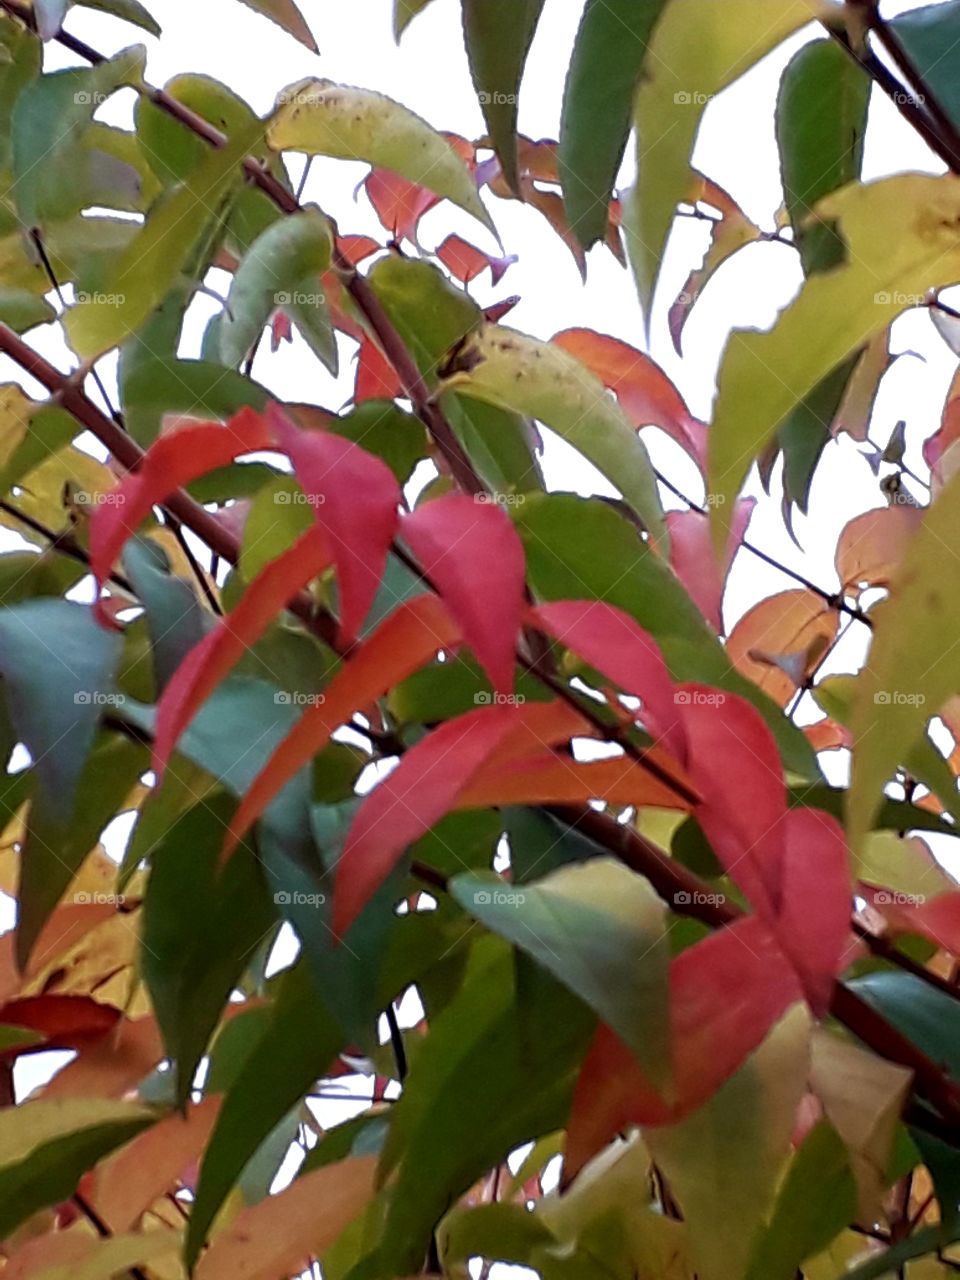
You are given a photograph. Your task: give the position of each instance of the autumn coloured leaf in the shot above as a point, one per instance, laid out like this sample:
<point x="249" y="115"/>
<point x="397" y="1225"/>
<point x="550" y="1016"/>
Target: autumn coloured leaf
<point x="473" y="557"/>
<point x="692" y="559"/>
<point x="465" y="261"/>
<point x="376" y="378"/>
<point x="355" y="499"/>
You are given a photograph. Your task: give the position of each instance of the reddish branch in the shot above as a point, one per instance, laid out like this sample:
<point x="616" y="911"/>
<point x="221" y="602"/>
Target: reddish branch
<point x="669" y="878"/>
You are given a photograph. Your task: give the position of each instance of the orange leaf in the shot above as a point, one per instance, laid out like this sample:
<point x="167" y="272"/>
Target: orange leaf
<point x="473" y="556"/>
<point x="280" y="1235"/>
<point x="551" y="779"/>
<point x="222" y="648"/>
<point x="376" y="377"/>
<point x="65" y="1022"/>
<point x="871" y="546"/>
<point x="465" y="261"/>
<point x="355" y="499"/>
<point x="791" y="622"/>
<point x="108" y="1068"/>
<point x="403" y="643"/>
<point x="646" y="394"/>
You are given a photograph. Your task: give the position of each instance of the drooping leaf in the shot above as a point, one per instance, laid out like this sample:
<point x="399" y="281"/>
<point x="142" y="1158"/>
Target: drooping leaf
<point x="159" y="252"/>
<point x="608" y="57"/>
<point x="219" y="651"/>
<point x="281" y="267"/>
<point x="895" y="252"/>
<point x="128" y="10"/>
<point x="175" y="620"/>
<point x="285" y="14"/>
<point x="48" y="1145"/>
<point x="821" y="122"/>
<point x="404" y="11"/>
<point x="58" y="671"/>
<point x="683" y="75"/>
<point x="319" y="117"/>
<point x="355" y="499"/>
<point x="471" y="553"/>
<point x="516" y="372"/>
<point x="498" y="36"/>
<point x="404" y="642"/>
<point x="598" y="928"/>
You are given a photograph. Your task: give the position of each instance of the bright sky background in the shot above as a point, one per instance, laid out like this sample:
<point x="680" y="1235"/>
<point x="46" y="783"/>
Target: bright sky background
<point x="736" y="147"/>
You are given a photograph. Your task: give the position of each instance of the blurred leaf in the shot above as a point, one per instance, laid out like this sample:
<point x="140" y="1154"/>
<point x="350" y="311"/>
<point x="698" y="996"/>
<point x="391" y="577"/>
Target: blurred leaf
<point x="49" y="16"/>
<point x="153" y="388"/>
<point x="599" y="929"/>
<point x="608" y="58"/>
<point x="285" y="14"/>
<point x="175" y="619"/>
<point x="128" y="10"/>
<point x="821" y="121"/>
<point x="924" y="34"/>
<point x="498" y="36"/>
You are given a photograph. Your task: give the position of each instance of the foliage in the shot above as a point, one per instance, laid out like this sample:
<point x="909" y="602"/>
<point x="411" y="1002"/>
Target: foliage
<point x="340" y="751"/>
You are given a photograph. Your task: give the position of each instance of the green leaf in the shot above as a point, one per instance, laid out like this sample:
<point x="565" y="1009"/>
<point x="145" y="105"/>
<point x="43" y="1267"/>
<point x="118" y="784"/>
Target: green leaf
<point x="20" y="60"/>
<point x="173" y="151"/>
<point x="907" y="678"/>
<point x="599" y="929"/>
<point x="280" y="269"/>
<point x="498" y="443"/>
<point x="175" y="619"/>
<point x="202" y="925"/>
<point x="430" y="314"/>
<point x="821" y="122"/>
<point x="899" y="242"/>
<point x="498" y="36"/>
<point x="20" y="310"/>
<point x="297" y="1046"/>
<point x="54" y="850"/>
<point x="128" y="10"/>
<point x="608" y="57"/>
<point x="921" y="1012"/>
<point x="380" y="427"/>
<point x="155" y="257"/>
<point x="154" y="386"/>
<point x="723" y="1162"/>
<point x="682" y="76"/>
<point x="578" y="547"/>
<point x="285" y="14"/>
<point x="806" y="431"/>
<point x="816" y="1201"/>
<point x="404" y="11"/>
<point x="58" y="670"/>
<point x="925" y="34"/>
<point x="53" y="176"/>
<point x="48" y="1144"/>
<point x="319" y="117"/>
<point x="511" y="1042"/>
<point x="516" y="372"/>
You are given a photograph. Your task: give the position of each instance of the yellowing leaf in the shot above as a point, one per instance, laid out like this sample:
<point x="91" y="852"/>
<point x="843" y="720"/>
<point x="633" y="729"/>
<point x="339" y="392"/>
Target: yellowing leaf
<point x="872" y="545"/>
<point x="514" y="371"/>
<point x="115" y="1256"/>
<point x="792" y="626"/>
<point x="911" y="669"/>
<point x="698" y="48"/>
<point x="319" y="117"/>
<point x="275" y="1237"/>
<point x="902" y="239"/>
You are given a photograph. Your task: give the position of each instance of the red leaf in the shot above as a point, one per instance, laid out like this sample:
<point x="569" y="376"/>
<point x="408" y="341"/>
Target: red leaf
<point x="473" y="555"/>
<point x="355" y="248"/>
<point x="693" y="561"/>
<point x="646" y="394"/>
<point x="355" y="497"/>
<point x="376" y="376"/>
<point x="398" y="203"/>
<point x="171" y="461"/>
<point x="465" y="261"/>
<point x="281" y="330"/>
<point x="550" y="779"/>
<point x="422" y="788"/>
<point x="726" y="992"/>
<point x="612" y="642"/>
<point x="219" y="651"/>
<point x="65" y="1022"/>
<point x="403" y="643"/>
<point x="937" y="919"/>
